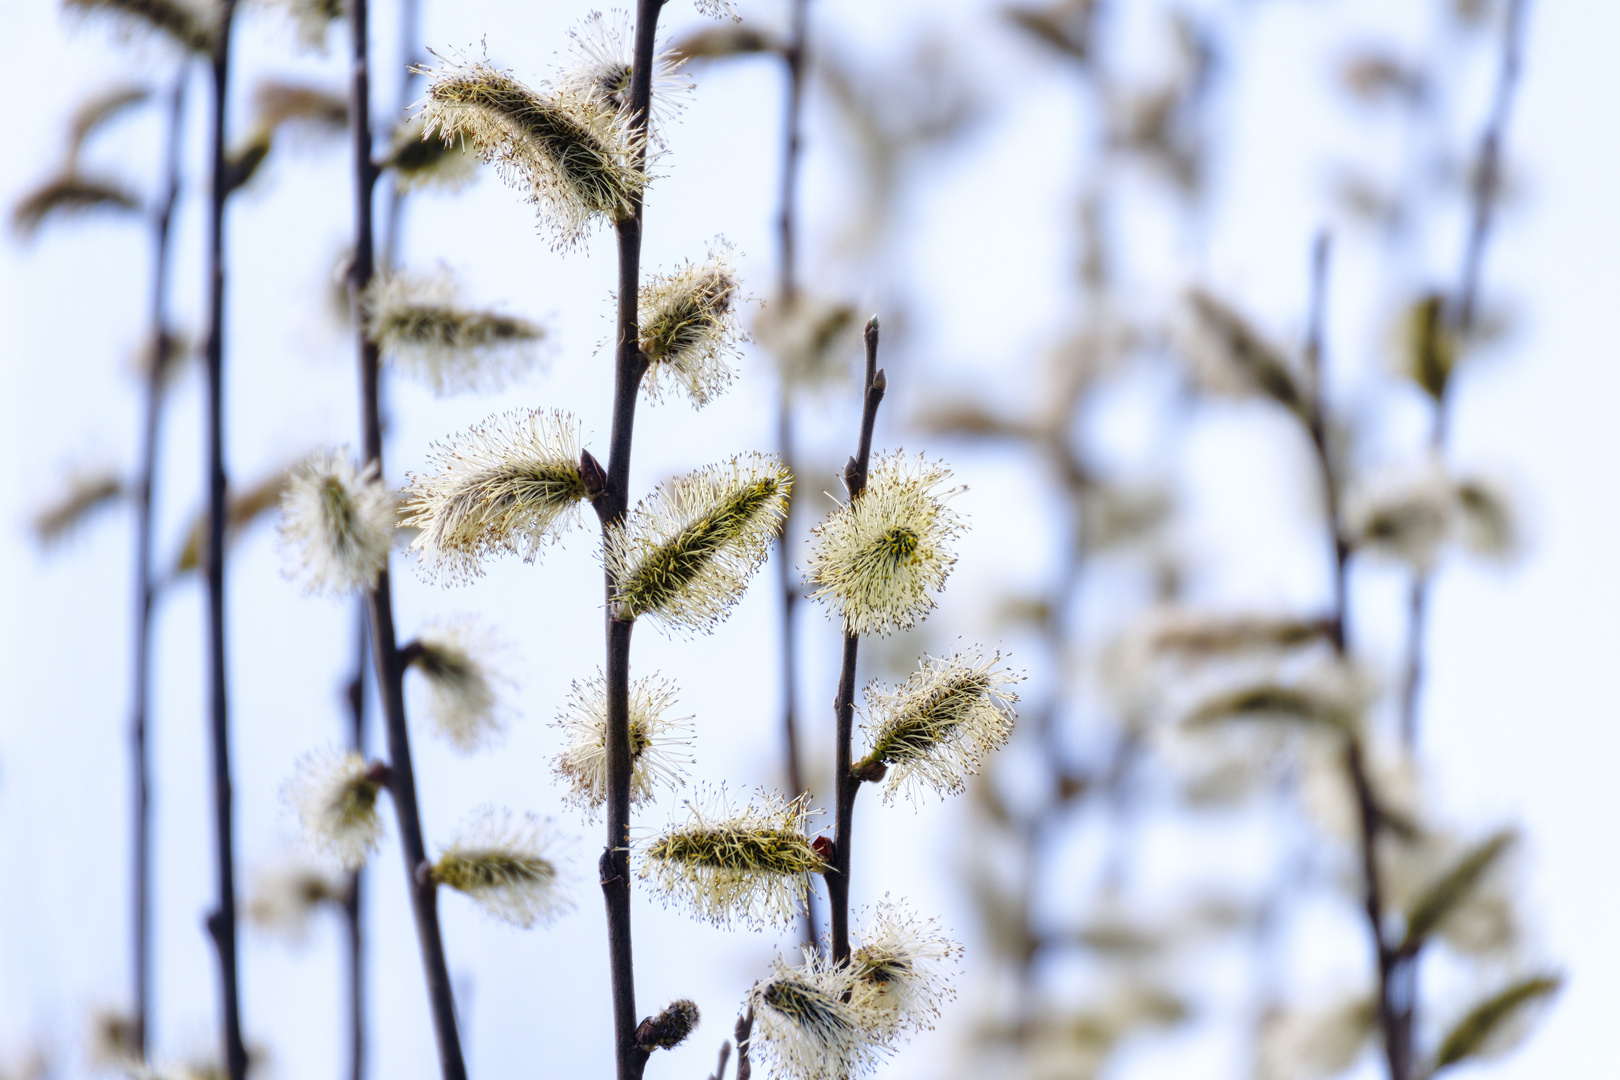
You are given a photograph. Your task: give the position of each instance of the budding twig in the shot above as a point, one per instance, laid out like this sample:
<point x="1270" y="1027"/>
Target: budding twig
<point x="848" y="785"/>
<point x="1394" y="1017"/>
<point x="1487" y="182"/>
<point x="390" y="666"/>
<point x="610" y="504"/>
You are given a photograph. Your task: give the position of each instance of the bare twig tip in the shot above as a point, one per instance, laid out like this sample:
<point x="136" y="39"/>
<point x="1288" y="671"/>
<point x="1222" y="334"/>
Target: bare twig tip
<point x="591" y="472"/>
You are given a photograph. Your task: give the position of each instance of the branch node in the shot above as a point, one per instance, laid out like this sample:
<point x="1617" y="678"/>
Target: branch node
<point x="870" y="771"/>
<point x="592" y="474"/>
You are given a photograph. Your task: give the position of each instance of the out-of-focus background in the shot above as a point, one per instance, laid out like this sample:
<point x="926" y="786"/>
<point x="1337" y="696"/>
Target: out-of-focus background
<point x="1027" y="196"/>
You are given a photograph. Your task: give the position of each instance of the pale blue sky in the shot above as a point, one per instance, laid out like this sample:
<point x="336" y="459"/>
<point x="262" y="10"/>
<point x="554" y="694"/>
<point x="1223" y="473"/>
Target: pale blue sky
<point x="1523" y="704"/>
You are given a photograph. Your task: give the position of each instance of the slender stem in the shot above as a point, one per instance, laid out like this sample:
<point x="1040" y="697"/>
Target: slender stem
<point x="1394" y="1020"/>
<point x="1463" y="312"/>
<point x="743" y="1032"/>
<point x="145" y="587"/>
<point x="390" y="668"/>
<point x="725" y="1056"/>
<point x="1317" y="422"/>
<point x="222" y="921"/>
<point x="793" y="55"/>
<point x="629" y="367"/>
<point x="353" y="906"/>
<point x="1488" y="179"/>
<point x="410" y="18"/>
<point x="846" y="784"/>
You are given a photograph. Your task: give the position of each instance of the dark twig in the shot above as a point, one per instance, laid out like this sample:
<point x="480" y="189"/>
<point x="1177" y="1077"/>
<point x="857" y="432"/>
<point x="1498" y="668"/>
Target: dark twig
<point x="353" y="907"/>
<point x="1394" y="1014"/>
<point x="1319" y="434"/>
<point x="161" y="342"/>
<point x="744" y="1030"/>
<point x="845" y="783"/>
<point x="793" y="55"/>
<point x="610" y="505"/>
<point x="352" y="904"/>
<point x="390" y="667"/>
<point x="725" y="1056"/>
<point x="1463" y="309"/>
<point x="222" y="922"/>
<point x="1394" y="1017"/>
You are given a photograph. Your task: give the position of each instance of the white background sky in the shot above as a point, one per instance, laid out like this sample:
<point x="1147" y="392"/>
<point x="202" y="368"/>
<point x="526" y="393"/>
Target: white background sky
<point x="1523" y="700"/>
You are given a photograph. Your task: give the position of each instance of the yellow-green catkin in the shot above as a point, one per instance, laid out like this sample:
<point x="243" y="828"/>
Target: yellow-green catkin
<point x="337" y="525"/>
<point x="335" y="795"/>
<point x="808" y="1023"/>
<point x="751" y="867"/>
<point x="422" y="327"/>
<point x="935" y="730"/>
<point x="880" y="560"/>
<point x="689" y="328"/>
<point x="685" y="554"/>
<point x="511" y="484"/>
<point x="576" y="159"/>
<point x="656" y="742"/>
<point x="467" y="693"/>
<point x="506" y="867"/>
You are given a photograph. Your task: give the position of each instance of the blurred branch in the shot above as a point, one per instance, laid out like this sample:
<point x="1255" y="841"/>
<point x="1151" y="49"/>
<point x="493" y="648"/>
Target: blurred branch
<point x="1487" y="181"/>
<point x="222" y="921"/>
<point x="146" y="588"/>
<point x="390" y="668"/>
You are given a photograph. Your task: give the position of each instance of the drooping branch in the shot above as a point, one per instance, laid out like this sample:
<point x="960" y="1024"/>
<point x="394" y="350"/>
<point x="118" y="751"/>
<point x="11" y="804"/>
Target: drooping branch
<point x="222" y="921"/>
<point x="390" y="668"/>
<point x="846" y="784"/>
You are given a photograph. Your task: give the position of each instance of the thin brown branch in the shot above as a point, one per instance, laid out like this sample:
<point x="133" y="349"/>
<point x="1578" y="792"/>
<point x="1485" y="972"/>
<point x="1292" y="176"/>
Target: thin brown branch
<point x="353" y="907"/>
<point x="610" y="504"/>
<point x="222" y="921"/>
<point x="145" y="587"/>
<point x="1463" y="311"/>
<point x="742" y="1033"/>
<point x="385" y="646"/>
<point x="1394" y="1017"/>
<point x="1318" y="423"/>
<point x="793" y="55"/>
<point x="846" y="784"/>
